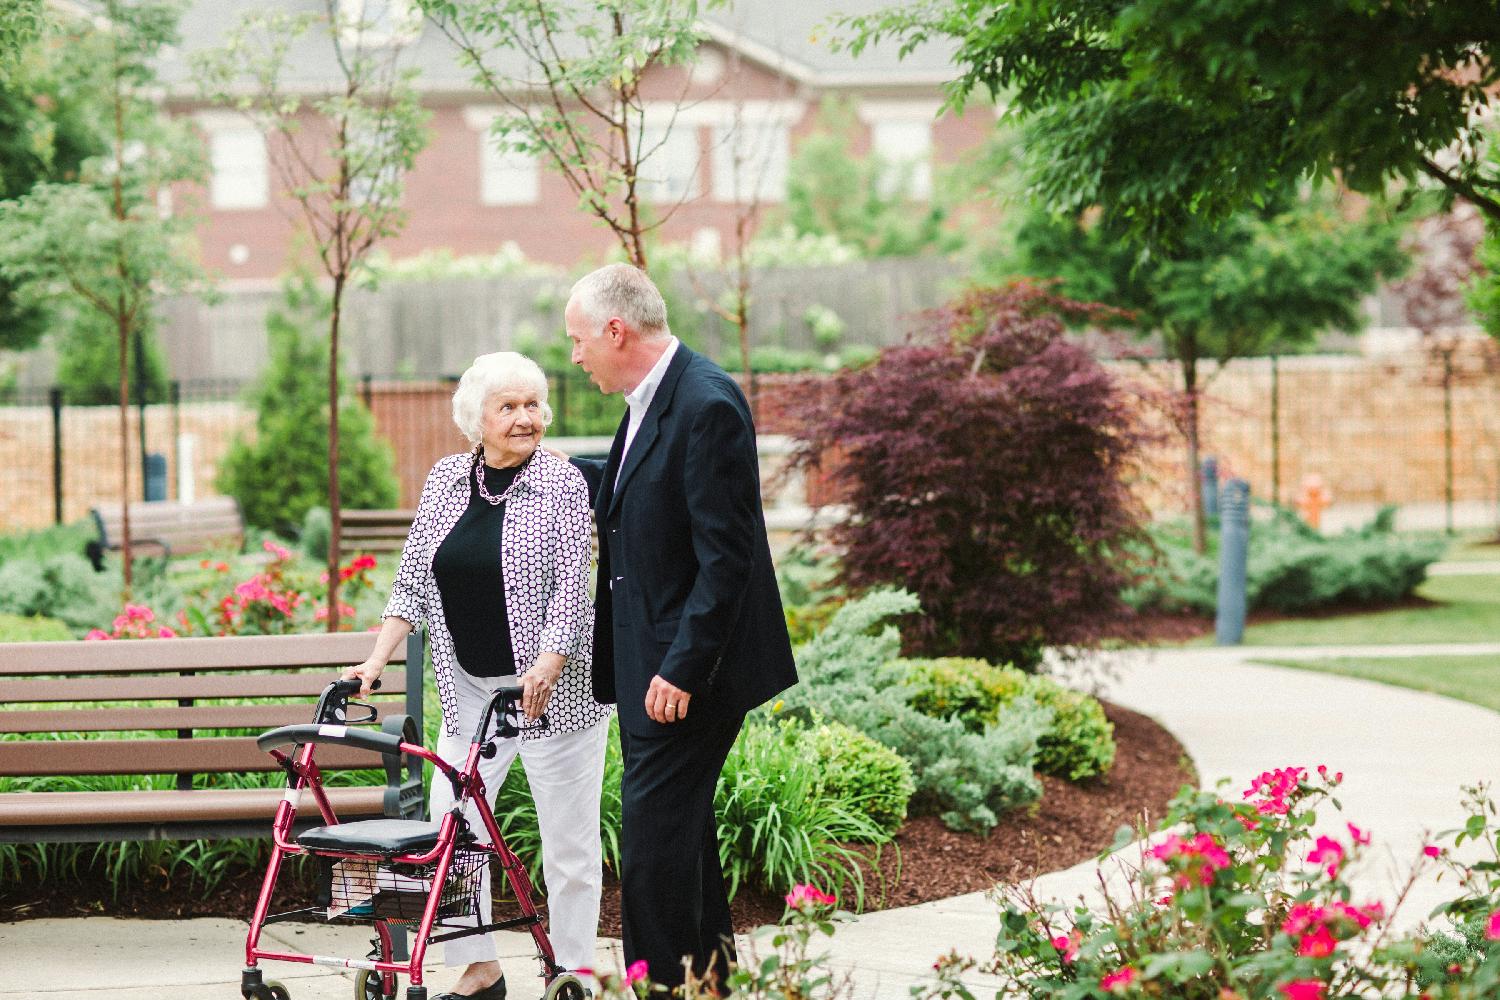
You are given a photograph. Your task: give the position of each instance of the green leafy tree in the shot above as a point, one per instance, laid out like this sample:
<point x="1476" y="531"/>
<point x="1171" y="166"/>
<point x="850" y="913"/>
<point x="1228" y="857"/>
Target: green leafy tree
<point x="101" y="243"/>
<point x="21" y="21"/>
<point x="281" y="471"/>
<point x="1163" y="111"/>
<point x="574" y="98"/>
<point x="1254" y="284"/>
<point x="341" y="156"/>
<point x="858" y="199"/>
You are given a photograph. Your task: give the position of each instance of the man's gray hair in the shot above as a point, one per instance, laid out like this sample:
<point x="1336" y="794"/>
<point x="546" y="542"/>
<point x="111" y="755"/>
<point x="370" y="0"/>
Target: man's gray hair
<point x="491" y="373"/>
<point x="625" y="291"/>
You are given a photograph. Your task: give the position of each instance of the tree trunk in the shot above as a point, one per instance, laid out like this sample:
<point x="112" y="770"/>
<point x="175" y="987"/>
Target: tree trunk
<point x="1189" y="359"/>
<point x="335" y="513"/>
<point x="1275" y="429"/>
<point x="125" y="550"/>
<point x="1448" y="438"/>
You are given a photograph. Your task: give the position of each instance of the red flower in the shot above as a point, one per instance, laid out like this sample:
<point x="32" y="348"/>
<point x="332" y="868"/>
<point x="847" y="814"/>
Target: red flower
<point x="1303" y="989"/>
<point x="1492" y="927"/>
<point x="1319" y="944"/>
<point x="1118" y="981"/>
<point x="806" y="895"/>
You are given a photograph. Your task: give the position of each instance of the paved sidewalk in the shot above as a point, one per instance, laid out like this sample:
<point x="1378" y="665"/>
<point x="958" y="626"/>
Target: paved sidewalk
<point x="1405" y="755"/>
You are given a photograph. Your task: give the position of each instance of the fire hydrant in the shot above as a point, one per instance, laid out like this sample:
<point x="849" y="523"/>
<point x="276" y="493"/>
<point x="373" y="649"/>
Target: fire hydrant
<point x="1313" y="500"/>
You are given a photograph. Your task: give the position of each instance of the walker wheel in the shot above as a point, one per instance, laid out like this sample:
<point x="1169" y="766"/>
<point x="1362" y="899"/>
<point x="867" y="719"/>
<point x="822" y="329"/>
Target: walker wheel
<point x="367" y="986"/>
<point x="565" y="987"/>
<point x="273" y="990"/>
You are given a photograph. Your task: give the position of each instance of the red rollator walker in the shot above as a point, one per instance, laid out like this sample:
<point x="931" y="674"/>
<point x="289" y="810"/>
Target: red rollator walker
<point x="394" y="872"/>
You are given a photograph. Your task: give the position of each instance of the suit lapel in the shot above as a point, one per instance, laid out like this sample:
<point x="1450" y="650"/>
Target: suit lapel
<point x="650" y="427"/>
<point x="611" y="465"/>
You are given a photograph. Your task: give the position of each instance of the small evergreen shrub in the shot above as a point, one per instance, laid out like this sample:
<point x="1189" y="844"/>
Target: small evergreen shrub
<point x="1078" y="744"/>
<point x="64" y="587"/>
<point x="281" y="471"/>
<point x="863" y="773"/>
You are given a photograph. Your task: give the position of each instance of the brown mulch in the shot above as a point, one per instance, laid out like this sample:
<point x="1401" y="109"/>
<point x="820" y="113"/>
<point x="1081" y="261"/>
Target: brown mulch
<point x="1071" y="823"/>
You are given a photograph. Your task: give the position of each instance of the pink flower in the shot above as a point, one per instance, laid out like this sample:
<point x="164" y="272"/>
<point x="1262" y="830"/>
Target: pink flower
<point x="165" y="632"/>
<point x="1302" y="989"/>
<point x="1118" y="981"/>
<point x="1329" y="853"/>
<point x="636" y="972"/>
<point x="1357" y="835"/>
<point x="1432" y="850"/>
<point x="806" y="895"/>
<point x="1319" y="944"/>
<point x="1068" y="946"/>
<point x="98" y="633"/>
<point x="1492" y="927"/>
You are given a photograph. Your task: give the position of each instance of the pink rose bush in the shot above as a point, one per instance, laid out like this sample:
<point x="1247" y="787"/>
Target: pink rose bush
<point x="276" y="600"/>
<point x="1246" y="901"/>
<point x="135" y="622"/>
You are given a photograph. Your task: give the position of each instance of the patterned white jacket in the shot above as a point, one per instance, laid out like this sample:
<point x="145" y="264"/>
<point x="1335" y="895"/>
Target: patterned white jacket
<point x="545" y="548"/>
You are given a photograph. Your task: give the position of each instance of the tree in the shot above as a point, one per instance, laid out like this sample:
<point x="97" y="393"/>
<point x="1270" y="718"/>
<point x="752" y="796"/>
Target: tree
<point x="1165" y="111"/>
<point x="985" y="465"/>
<point x="861" y="200"/>
<point x="1257" y="282"/>
<point x="21" y="22"/>
<point x="341" y="156"/>
<point x="575" y="99"/>
<point x="103" y="242"/>
<point x="280" y="472"/>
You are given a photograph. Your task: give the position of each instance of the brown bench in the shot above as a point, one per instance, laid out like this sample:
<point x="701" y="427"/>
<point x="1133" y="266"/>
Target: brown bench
<point x="75" y="690"/>
<point x="169" y="526"/>
<point x="375" y="531"/>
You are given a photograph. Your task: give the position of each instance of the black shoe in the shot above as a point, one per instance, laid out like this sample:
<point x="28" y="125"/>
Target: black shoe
<point x="494" y="991"/>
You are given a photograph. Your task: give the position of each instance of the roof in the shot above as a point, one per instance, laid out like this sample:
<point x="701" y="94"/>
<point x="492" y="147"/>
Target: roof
<point x="791" y="36"/>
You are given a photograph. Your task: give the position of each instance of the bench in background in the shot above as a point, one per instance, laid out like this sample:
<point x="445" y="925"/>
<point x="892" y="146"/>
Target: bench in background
<point x="374" y="531"/>
<point x="169" y="526"/>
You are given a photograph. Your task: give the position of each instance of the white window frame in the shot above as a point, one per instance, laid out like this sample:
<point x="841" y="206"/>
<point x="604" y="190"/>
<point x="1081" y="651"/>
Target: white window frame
<point x="240" y="168"/>
<point x="669" y="161"/>
<point x="402" y="24"/>
<point x="765" y="164"/>
<point x="911" y="163"/>
<point x="506" y="176"/>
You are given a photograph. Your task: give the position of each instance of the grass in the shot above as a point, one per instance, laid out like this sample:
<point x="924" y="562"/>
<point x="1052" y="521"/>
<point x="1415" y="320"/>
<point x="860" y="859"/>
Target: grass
<point x="1474" y="679"/>
<point x="1464" y="609"/>
<point x="21" y="628"/>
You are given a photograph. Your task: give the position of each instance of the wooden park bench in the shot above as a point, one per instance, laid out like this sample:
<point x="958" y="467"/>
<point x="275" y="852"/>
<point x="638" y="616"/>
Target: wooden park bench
<point x="374" y="531"/>
<point x="168" y="526"/>
<point x="141" y="707"/>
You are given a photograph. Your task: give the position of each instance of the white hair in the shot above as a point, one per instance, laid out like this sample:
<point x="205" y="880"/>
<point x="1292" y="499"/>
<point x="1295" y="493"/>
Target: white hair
<point x="492" y="373"/>
<point x="625" y="291"/>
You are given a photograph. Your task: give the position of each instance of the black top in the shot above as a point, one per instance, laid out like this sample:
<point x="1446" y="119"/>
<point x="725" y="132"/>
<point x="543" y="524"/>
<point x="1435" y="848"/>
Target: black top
<point x="471" y="580"/>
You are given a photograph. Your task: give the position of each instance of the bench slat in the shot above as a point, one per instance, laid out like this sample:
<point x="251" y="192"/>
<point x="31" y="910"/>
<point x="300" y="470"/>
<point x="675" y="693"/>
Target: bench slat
<point x="154" y="688"/>
<point x="23" y="659"/>
<point x="218" y="755"/>
<point x="104" y="720"/>
<point x="206" y="804"/>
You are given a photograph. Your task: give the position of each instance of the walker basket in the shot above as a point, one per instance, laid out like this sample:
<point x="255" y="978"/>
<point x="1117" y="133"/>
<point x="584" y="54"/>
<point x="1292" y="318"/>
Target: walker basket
<point x="374" y="889"/>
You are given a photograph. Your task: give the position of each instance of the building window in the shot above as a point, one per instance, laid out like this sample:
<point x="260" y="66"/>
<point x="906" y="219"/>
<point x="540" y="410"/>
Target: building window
<point x="507" y="176"/>
<point x="750" y="159"/>
<point x="667" y="168"/>
<point x="240" y="177"/>
<point x="375" y="176"/>
<point x="379" y="22"/>
<point x="904" y="148"/>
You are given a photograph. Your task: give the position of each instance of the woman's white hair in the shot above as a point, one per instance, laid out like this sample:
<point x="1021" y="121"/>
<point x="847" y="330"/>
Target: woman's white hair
<point x="625" y="291"/>
<point x="492" y="373"/>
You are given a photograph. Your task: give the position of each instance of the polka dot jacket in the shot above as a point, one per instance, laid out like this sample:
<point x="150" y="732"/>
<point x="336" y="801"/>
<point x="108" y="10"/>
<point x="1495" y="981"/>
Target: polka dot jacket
<point x="545" y="552"/>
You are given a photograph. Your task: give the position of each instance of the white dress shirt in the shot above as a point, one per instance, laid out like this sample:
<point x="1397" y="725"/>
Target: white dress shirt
<point x="639" y="399"/>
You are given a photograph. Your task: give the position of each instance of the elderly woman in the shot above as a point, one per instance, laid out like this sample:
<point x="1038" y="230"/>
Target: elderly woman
<point x="496" y="564"/>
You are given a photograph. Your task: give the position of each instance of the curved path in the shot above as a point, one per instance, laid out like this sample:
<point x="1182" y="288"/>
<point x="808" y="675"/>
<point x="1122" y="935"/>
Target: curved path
<point x="1405" y="755"/>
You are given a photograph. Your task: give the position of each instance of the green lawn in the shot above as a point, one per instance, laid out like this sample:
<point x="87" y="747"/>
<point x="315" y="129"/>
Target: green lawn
<point x="1468" y="678"/>
<point x="18" y="628"/>
<point x="1466" y="609"/>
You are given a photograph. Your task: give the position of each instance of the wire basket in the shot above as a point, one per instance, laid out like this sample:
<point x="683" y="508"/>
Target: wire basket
<point x="371" y="889"/>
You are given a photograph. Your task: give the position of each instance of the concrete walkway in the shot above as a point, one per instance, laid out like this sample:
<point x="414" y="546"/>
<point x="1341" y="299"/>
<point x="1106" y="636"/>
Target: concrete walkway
<point x="1405" y="755"/>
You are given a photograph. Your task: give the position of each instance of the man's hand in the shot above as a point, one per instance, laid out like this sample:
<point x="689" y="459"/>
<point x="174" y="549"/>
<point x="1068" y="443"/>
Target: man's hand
<point x="368" y="673"/>
<point x="538" y="683"/>
<point x="665" y="703"/>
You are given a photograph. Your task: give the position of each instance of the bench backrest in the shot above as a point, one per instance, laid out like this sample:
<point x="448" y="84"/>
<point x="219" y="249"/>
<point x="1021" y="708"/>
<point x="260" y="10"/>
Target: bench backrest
<point x="375" y="530"/>
<point x="182" y="527"/>
<point x="79" y="688"/>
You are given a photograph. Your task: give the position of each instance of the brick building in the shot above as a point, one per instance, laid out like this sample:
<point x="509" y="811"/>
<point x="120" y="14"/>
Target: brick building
<point x="766" y="64"/>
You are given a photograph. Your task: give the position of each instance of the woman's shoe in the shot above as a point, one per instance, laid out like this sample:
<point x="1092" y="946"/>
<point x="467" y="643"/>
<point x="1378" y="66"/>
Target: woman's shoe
<point x="494" y="991"/>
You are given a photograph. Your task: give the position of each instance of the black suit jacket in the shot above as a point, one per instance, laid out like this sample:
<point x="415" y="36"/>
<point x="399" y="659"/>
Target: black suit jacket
<point x="686" y="587"/>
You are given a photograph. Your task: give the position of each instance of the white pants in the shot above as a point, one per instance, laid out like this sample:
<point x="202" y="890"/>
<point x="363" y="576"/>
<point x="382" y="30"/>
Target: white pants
<point x="565" y="773"/>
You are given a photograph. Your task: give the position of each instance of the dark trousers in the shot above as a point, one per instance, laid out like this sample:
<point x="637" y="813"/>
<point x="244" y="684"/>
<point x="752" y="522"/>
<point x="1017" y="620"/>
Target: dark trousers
<point x="673" y="902"/>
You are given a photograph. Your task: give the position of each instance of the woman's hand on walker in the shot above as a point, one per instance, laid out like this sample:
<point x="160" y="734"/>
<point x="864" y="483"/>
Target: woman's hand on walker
<point x="538" y="683"/>
<point x="368" y="673"/>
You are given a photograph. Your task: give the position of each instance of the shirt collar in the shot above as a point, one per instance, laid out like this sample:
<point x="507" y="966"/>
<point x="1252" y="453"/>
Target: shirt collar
<point x="639" y="398"/>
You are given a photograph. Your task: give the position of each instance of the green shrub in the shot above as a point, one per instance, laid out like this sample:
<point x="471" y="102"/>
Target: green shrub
<point x="60" y="539"/>
<point x="64" y="587"/>
<point x="32" y="628"/>
<point x="316" y="533"/>
<point x="1291" y="567"/>
<point x="281" y="471"/>
<point x="1078" y="744"/>
<point x="851" y="673"/>
<point x="778" y="823"/>
<point x="862" y="773"/>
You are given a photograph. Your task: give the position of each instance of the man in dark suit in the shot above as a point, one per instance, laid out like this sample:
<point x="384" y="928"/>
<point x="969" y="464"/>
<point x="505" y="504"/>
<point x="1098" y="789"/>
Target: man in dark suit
<point x="689" y="632"/>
